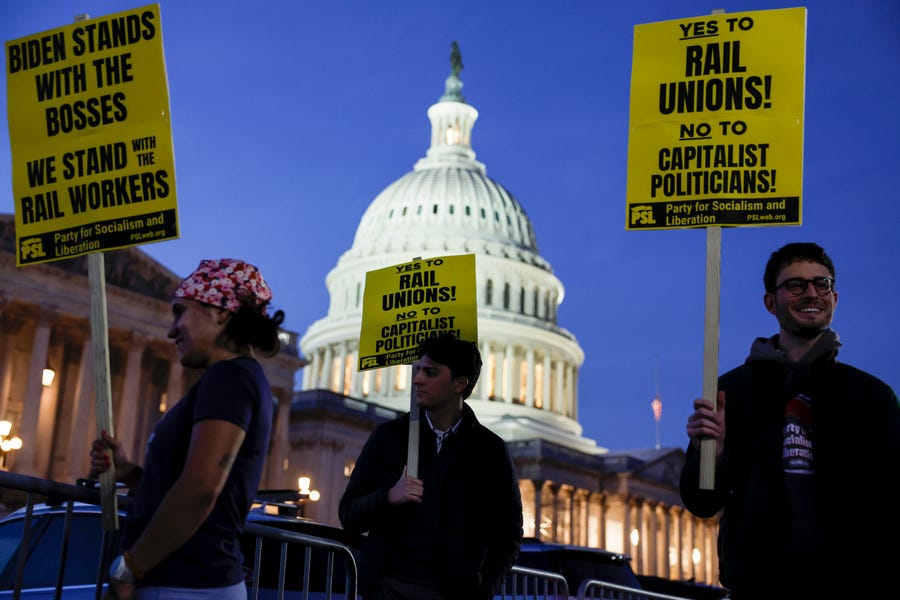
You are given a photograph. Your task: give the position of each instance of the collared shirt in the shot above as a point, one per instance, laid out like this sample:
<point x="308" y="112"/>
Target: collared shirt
<point x="439" y="435"/>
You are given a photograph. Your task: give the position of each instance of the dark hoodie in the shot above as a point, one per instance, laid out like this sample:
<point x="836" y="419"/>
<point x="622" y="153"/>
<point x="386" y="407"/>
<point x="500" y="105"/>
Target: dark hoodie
<point x="802" y="523"/>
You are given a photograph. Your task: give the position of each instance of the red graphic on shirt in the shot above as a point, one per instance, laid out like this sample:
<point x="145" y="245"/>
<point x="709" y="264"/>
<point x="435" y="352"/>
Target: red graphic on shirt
<point x="798" y="451"/>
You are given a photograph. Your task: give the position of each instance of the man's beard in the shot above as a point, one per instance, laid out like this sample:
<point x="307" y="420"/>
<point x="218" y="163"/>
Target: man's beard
<point x="809" y="332"/>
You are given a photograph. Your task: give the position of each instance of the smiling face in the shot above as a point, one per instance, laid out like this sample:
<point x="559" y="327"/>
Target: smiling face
<point x="196" y="327"/>
<point x="804" y="316"/>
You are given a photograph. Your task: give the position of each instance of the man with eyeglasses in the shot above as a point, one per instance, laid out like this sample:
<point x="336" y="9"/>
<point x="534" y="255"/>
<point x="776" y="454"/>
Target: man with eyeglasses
<point x="807" y="453"/>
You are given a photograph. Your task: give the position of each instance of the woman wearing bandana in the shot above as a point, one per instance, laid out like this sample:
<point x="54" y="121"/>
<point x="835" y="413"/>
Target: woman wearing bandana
<point x="203" y="461"/>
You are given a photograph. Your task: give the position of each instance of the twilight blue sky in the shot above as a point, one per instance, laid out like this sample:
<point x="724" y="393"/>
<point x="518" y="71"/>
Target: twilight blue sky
<point x="290" y="117"/>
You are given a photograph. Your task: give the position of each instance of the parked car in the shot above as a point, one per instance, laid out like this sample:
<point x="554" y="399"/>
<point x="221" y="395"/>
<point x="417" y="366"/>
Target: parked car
<point x="577" y="563"/>
<point x="82" y="553"/>
<point x="88" y="552"/>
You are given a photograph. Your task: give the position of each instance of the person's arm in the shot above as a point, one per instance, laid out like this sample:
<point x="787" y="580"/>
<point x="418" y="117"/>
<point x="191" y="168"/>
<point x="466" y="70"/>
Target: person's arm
<point x="365" y="497"/>
<point x="213" y="448"/>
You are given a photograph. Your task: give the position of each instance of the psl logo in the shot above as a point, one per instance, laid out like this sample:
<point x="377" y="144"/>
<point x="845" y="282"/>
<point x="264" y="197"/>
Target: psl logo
<point x="32" y="248"/>
<point x="642" y="215"/>
<point x="367" y="362"/>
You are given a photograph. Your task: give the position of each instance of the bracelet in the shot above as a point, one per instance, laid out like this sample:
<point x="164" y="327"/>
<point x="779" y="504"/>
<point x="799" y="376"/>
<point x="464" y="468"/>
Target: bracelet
<point x="129" y="562"/>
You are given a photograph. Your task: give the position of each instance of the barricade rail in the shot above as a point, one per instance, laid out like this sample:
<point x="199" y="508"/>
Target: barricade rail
<point x="594" y="589"/>
<point x="525" y="583"/>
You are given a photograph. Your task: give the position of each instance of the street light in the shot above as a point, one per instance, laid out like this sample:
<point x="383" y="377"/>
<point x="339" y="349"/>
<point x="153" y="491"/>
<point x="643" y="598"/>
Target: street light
<point x="305" y="493"/>
<point x="7" y="444"/>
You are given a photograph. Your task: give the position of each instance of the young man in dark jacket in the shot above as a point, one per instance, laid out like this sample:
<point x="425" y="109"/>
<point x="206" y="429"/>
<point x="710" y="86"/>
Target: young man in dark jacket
<point x="454" y="531"/>
<point x="807" y="453"/>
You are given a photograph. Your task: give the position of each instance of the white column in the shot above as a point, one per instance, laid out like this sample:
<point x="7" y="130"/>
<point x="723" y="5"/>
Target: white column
<point x="131" y="398"/>
<point x="83" y="427"/>
<point x="509" y="361"/>
<point x="572" y="399"/>
<point x="277" y="462"/>
<point x="309" y="371"/>
<point x="356" y="379"/>
<point x="326" y="380"/>
<point x="637" y="512"/>
<point x="538" y="498"/>
<point x="559" y="401"/>
<point x="343" y="387"/>
<point x="25" y="458"/>
<point x="667" y="570"/>
<point x="545" y="387"/>
<point x="529" y="378"/>
<point x="480" y="391"/>
<point x="9" y="327"/>
<point x="648" y="538"/>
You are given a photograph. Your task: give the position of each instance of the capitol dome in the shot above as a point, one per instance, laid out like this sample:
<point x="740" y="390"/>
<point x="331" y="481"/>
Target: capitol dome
<point x="447" y="205"/>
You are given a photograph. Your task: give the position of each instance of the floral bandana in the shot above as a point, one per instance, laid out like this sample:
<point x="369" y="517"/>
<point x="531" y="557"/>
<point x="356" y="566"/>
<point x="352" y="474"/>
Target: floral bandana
<point x="223" y="283"/>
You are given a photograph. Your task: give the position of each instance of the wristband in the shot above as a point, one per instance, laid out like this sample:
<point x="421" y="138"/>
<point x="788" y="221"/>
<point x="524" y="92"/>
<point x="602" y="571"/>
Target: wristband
<point x="119" y="570"/>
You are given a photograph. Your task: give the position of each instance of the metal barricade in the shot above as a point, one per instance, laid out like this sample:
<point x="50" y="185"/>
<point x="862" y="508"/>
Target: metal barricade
<point x="594" y="589"/>
<point x="524" y="583"/>
<point x="318" y="577"/>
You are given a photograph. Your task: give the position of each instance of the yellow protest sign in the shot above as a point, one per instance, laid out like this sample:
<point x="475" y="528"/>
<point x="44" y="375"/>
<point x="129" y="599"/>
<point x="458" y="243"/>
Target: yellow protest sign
<point x="716" y="122"/>
<point x="406" y="303"/>
<point x="90" y="134"/>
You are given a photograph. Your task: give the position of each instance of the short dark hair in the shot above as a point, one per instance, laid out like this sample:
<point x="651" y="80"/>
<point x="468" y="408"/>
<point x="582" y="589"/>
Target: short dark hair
<point x="791" y="253"/>
<point x="461" y="356"/>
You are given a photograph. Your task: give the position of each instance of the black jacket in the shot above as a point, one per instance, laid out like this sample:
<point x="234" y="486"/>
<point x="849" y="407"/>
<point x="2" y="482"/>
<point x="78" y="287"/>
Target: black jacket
<point x="856" y="445"/>
<point x="466" y="534"/>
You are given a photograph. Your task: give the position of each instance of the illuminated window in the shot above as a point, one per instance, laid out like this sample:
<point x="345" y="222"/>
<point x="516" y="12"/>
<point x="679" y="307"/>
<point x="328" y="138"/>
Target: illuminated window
<point x="348" y="373"/>
<point x="402" y="377"/>
<point x="334" y="379"/>
<point x="523" y="382"/>
<point x="526" y="489"/>
<point x="614" y="533"/>
<point x="505" y="383"/>
<point x="452" y="135"/>
<point x="539" y="386"/>
<point x="491" y="376"/>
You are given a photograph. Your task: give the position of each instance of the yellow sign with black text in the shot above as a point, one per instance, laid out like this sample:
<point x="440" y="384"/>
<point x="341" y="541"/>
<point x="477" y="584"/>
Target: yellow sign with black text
<point x="716" y="121"/>
<point x="90" y="133"/>
<point x="406" y="303"/>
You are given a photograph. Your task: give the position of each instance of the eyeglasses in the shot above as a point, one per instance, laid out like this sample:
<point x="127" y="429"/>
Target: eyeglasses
<point x="797" y="285"/>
